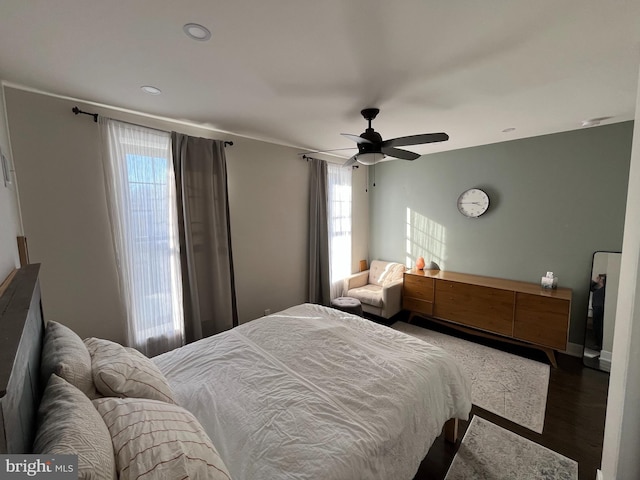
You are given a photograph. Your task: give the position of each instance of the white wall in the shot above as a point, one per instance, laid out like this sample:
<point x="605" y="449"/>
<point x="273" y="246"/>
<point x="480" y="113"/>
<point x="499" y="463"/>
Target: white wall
<point x="622" y="427"/>
<point x="66" y="223"/>
<point x="9" y="213"/>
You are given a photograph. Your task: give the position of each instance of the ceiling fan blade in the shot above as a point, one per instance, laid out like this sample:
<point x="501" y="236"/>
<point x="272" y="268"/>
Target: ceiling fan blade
<point x="327" y="151"/>
<point x="398" y="153"/>
<point x="351" y="161"/>
<point x="416" y="139"/>
<point x="356" y="138"/>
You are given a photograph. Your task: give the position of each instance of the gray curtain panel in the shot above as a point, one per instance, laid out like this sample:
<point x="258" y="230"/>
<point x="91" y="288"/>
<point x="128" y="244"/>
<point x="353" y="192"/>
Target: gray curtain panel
<point x="319" y="285"/>
<point x="205" y="238"/>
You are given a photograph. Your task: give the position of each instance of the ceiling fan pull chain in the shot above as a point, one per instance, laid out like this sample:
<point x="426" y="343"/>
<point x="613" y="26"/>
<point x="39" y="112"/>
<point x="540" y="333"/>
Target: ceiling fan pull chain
<point x="366" y="189"/>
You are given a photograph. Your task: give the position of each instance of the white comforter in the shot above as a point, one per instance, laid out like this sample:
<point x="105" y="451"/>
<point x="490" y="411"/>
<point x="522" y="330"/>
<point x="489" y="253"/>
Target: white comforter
<point x="314" y="393"/>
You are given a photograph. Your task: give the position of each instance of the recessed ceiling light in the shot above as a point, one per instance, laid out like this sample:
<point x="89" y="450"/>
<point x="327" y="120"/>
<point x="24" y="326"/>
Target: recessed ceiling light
<point x="592" y="122"/>
<point x="196" y="31"/>
<point x="151" y="90"/>
<point x="509" y="129"/>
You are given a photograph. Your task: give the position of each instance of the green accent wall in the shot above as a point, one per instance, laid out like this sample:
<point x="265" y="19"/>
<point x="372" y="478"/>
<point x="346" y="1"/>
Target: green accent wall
<point x="554" y="200"/>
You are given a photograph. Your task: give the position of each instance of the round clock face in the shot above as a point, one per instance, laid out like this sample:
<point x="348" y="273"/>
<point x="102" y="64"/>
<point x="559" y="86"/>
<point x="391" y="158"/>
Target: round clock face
<point x="473" y="203"/>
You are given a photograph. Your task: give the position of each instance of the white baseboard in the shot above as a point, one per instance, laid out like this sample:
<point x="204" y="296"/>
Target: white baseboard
<point x="605" y="360"/>
<point x="575" y="349"/>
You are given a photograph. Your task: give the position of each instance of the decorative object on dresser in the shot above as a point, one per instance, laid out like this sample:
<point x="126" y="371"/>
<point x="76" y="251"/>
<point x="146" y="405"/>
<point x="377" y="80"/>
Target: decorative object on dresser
<point x="508" y="310"/>
<point x="549" y="281"/>
<point x="379" y="289"/>
<point x="432" y="266"/>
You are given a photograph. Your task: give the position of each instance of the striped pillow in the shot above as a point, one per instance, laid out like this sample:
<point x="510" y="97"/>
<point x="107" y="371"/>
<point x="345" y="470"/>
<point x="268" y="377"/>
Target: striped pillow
<point x="153" y="439"/>
<point x="69" y="424"/>
<point x="124" y="372"/>
<point x="64" y="354"/>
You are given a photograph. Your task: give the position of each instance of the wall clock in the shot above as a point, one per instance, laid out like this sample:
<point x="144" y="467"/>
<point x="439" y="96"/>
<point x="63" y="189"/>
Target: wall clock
<point x="473" y="202"/>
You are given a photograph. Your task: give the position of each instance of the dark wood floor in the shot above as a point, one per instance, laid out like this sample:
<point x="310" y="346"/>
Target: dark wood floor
<point x="575" y="415"/>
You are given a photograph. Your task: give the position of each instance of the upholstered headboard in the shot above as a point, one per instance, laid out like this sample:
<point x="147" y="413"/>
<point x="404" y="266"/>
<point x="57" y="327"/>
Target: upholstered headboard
<point x="21" y="334"/>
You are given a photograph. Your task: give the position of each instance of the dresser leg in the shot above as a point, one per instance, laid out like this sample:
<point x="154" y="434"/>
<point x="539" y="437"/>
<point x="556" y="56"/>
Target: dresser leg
<point x="551" y="355"/>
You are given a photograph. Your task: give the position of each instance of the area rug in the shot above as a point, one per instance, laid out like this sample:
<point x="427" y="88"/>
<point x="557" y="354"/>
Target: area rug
<point x="489" y="452"/>
<point x="508" y="385"/>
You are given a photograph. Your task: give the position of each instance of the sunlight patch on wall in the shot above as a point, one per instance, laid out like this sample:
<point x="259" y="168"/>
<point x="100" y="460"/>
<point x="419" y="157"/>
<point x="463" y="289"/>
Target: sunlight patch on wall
<point x="425" y="238"/>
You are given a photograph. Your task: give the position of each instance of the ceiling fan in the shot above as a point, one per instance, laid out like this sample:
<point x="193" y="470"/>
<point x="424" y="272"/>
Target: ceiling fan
<point x="372" y="149"/>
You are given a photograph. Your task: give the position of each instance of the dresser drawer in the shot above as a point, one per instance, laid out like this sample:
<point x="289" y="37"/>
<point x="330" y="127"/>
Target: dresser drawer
<point x="417" y="306"/>
<point x="487" y="308"/>
<point x="418" y="287"/>
<point x="542" y="320"/>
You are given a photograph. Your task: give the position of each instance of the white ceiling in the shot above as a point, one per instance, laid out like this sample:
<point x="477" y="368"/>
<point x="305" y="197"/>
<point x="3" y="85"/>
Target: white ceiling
<point x="298" y="72"/>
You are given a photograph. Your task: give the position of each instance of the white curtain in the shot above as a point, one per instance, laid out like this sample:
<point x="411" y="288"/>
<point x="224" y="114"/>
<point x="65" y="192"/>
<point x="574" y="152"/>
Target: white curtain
<point x="339" y="216"/>
<point x="141" y="199"/>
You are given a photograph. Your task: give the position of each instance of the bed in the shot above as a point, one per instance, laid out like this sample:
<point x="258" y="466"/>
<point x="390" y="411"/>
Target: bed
<point x="306" y="393"/>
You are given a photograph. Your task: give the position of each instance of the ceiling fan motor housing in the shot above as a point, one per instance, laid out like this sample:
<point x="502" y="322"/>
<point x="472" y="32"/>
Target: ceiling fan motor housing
<point x="369" y="148"/>
<point x="373" y="136"/>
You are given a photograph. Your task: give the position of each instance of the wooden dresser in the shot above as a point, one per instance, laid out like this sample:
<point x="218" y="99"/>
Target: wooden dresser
<point x="517" y="312"/>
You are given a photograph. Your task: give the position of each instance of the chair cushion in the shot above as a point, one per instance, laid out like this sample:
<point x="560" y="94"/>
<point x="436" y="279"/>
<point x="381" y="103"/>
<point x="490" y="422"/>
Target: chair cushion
<point x="369" y="294"/>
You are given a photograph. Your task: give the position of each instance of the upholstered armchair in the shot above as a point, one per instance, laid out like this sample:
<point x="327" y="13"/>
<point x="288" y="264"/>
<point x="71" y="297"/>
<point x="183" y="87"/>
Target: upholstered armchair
<point x="379" y="289"/>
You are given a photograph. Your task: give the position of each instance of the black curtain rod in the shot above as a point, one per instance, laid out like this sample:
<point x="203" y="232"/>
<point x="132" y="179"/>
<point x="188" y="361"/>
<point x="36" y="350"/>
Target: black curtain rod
<point x="77" y="111"/>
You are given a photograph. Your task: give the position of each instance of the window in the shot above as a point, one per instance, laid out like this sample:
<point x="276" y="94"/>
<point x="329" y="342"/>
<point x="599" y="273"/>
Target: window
<point x="142" y="207"/>
<point x="339" y="213"/>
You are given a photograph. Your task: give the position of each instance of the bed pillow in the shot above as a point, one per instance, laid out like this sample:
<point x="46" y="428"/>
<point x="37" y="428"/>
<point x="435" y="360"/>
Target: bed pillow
<point x="68" y="423"/>
<point x="64" y="354"/>
<point x="124" y="372"/>
<point x="150" y="436"/>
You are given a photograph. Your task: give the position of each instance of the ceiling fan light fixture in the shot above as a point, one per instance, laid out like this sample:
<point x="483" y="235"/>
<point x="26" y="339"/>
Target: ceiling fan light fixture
<point x="370" y="158"/>
<point x="593" y="122"/>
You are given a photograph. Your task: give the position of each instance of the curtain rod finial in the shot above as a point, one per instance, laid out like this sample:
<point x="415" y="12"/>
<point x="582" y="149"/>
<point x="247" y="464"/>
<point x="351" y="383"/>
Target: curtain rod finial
<point x="76" y="110"/>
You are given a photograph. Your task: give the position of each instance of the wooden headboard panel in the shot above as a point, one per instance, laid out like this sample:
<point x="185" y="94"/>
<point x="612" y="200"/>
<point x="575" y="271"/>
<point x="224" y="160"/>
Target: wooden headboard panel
<point x="21" y="334"/>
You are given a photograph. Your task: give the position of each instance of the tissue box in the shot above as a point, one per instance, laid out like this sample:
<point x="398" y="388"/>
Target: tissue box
<point x="549" y="282"/>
